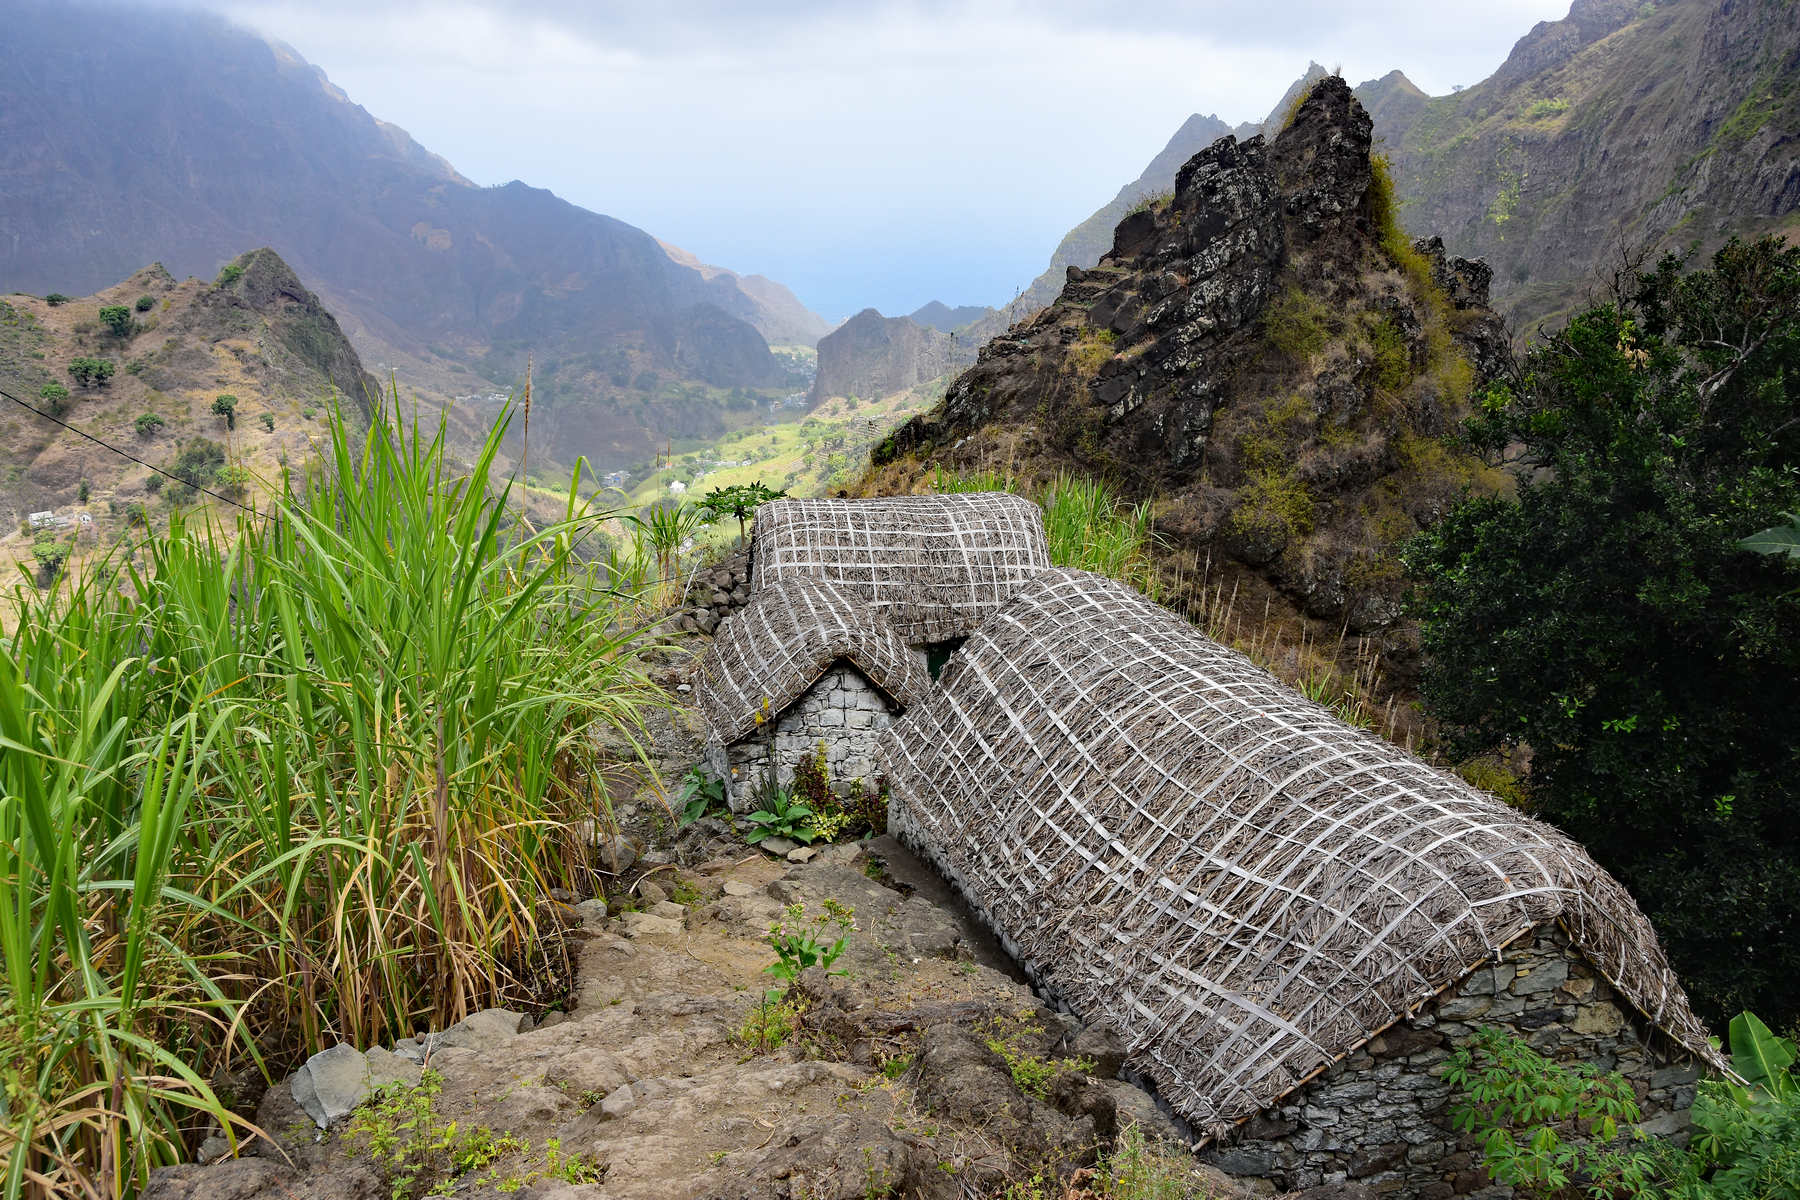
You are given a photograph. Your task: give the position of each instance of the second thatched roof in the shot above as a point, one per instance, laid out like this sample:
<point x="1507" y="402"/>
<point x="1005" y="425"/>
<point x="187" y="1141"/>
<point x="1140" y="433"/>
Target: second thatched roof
<point x="1170" y="839"/>
<point x="933" y="566"/>
<point x="767" y="654"/>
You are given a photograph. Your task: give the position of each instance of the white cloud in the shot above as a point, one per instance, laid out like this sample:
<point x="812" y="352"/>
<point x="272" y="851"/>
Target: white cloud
<point x="883" y="153"/>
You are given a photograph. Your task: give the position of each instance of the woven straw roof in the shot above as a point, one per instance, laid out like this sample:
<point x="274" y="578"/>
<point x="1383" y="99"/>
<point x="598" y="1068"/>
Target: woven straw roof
<point x="772" y="650"/>
<point x="1247" y="888"/>
<point x="934" y="566"/>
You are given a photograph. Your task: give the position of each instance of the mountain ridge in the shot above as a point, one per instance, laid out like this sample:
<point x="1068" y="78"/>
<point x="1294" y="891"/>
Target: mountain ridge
<point x="230" y="140"/>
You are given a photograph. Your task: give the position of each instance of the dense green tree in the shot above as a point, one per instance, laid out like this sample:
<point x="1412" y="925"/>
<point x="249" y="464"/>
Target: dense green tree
<point x="226" y="406"/>
<point x="117" y="319"/>
<point x="148" y="424"/>
<point x="91" y="372"/>
<point x="55" y="397"/>
<point x="55" y="298"/>
<point x="1608" y="619"/>
<point x="196" y="467"/>
<point x="145" y="303"/>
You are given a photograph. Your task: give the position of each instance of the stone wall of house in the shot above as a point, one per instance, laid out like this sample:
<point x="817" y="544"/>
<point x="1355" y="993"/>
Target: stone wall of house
<point x="715" y="593"/>
<point x="843" y="710"/>
<point x="1379" y="1116"/>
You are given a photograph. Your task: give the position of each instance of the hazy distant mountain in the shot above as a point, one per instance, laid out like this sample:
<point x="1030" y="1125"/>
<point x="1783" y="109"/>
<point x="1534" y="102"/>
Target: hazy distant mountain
<point x="129" y="135"/>
<point x="944" y="319"/>
<point x="873" y="356"/>
<point x="779" y="315"/>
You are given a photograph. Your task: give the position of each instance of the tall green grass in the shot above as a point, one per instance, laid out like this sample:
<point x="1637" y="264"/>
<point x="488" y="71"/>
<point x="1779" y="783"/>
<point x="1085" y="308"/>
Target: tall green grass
<point x="1088" y="525"/>
<point x="304" y="780"/>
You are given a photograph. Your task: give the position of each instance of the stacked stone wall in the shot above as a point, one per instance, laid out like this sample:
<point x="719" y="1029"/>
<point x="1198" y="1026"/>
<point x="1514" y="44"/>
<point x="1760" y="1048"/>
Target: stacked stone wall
<point x="843" y="710"/>
<point x="715" y="593"/>
<point x="1380" y="1115"/>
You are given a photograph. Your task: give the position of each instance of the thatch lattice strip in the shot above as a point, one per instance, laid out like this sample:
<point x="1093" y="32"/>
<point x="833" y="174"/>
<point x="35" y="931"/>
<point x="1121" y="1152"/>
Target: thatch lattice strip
<point x="934" y="566"/>
<point x="1169" y="838"/>
<point x="768" y="653"/>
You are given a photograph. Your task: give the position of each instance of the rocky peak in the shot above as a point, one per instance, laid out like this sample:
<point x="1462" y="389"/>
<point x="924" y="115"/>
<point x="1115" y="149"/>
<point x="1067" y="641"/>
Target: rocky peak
<point x="1262" y="352"/>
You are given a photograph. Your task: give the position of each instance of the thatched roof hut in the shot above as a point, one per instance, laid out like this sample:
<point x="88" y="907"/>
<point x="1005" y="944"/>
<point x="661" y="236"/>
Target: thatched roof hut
<point x="1247" y="888"/>
<point x="777" y="646"/>
<point x="934" y="566"/>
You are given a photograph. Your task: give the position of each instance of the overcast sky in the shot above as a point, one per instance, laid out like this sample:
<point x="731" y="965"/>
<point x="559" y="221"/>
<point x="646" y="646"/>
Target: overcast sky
<point x="863" y="153"/>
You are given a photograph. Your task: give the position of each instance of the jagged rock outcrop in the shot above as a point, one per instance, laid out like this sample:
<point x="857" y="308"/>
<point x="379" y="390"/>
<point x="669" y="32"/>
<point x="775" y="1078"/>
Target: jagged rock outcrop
<point x="872" y="355"/>
<point x="1264" y="353"/>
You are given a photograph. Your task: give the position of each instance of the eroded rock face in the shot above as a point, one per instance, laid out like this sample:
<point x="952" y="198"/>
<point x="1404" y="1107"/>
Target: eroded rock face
<point x="1262" y="353"/>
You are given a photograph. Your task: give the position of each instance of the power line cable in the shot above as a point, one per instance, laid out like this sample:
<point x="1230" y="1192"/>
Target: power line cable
<point x="122" y="453"/>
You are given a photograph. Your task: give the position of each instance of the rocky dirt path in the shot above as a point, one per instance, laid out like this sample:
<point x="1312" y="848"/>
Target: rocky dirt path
<point x="924" y="1069"/>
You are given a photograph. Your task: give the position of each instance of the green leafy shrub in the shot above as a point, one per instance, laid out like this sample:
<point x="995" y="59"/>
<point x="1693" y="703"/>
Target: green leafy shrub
<point x="55" y="397"/>
<point x="798" y="942"/>
<point x="1551" y="1130"/>
<point x="117" y="319"/>
<point x="91" y="372"/>
<point x="148" y="424"/>
<point x="268" y="421"/>
<point x="56" y="298"/>
<point x="1543" y="1126"/>
<point x="1608" y="618"/>
<point x="230" y="274"/>
<point x="701" y="795"/>
<point x="145" y="303"/>
<point x="781" y="815"/>
<point x="233" y="481"/>
<point x="225" y="405"/>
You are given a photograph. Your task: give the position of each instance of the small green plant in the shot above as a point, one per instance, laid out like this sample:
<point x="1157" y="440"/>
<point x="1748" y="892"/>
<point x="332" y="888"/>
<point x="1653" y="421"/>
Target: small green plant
<point x="1031" y="1072"/>
<point x="268" y="421"/>
<point x="1138" y="1169"/>
<point x="686" y="894"/>
<point x="799" y="942"/>
<point x="55" y="397"/>
<point x="701" y="795"/>
<point x="145" y="303"/>
<point x="781" y="816"/>
<point x="56" y="298"/>
<point x="1543" y="109"/>
<point x="895" y="1067"/>
<point x="770" y="1024"/>
<point x="225" y="405"/>
<point x="233" y="481"/>
<point x="1543" y="1126"/>
<point x="230" y="274"/>
<point x="82" y="492"/>
<point x="740" y="501"/>
<point x="147" y="424"/>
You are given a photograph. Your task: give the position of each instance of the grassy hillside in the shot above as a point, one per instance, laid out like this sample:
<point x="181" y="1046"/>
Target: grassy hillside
<point x="254" y="334"/>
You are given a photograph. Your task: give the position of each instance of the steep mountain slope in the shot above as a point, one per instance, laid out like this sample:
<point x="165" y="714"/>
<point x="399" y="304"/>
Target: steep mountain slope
<point x="871" y="355"/>
<point x="779" y="315"/>
<point x="130" y="135"/>
<point x="1651" y="126"/>
<point x="1263" y="354"/>
<point x="259" y="336"/>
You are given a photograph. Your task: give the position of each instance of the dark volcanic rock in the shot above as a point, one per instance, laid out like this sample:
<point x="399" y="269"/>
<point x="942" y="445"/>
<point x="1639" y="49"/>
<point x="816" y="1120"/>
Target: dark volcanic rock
<point x="1263" y="352"/>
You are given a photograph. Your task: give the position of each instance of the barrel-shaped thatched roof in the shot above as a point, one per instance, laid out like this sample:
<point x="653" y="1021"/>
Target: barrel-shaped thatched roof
<point x="768" y="653"/>
<point x="1246" y="887"/>
<point x="934" y="566"/>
